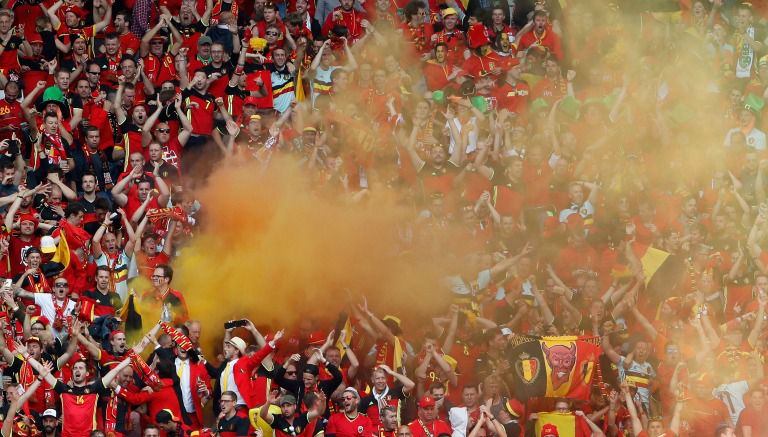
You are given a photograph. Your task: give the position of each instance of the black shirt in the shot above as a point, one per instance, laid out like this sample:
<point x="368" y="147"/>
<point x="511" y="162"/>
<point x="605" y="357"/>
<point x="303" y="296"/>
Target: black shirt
<point x="236" y="426"/>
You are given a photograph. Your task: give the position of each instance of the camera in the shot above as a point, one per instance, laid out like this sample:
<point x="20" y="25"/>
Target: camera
<point x="235" y="324"/>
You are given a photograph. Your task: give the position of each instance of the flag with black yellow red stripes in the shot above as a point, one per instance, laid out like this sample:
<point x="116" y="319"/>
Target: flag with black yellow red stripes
<point x="554" y="366"/>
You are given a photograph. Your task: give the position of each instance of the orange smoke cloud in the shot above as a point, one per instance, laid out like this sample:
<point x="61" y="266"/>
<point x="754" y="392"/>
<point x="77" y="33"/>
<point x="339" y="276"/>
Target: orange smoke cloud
<point x="273" y="251"/>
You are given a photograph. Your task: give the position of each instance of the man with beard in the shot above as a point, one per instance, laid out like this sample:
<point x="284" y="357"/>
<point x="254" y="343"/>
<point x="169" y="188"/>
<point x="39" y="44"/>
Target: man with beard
<point x="290" y="423"/>
<point x="50" y="423"/>
<point x="129" y="42"/>
<point x="79" y="400"/>
<point x="350" y="422"/>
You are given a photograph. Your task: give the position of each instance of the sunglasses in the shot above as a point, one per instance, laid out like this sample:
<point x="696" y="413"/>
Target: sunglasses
<point x="272" y="33"/>
<point x="62" y="284"/>
<point x="163" y="130"/>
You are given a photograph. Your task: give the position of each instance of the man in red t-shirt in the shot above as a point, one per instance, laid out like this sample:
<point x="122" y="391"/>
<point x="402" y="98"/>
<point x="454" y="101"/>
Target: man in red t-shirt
<point x="132" y="200"/>
<point x="427" y="424"/>
<point x="350" y="422"/>
<point x="753" y="420"/>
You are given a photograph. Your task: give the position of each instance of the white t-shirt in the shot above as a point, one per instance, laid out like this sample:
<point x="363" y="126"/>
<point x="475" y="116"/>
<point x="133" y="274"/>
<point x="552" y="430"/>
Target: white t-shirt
<point x="48" y="309"/>
<point x="755" y="138"/>
<point x="732" y="395"/>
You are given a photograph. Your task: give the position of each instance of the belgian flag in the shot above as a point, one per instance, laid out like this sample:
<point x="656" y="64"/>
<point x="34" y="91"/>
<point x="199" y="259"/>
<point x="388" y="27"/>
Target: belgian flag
<point x="562" y="367"/>
<point x="662" y="271"/>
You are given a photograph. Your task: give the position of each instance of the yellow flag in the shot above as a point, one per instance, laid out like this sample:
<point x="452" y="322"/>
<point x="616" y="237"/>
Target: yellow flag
<point x="299" y="87"/>
<point x="397" y="364"/>
<point x="62" y="251"/>
<point x="651" y="261"/>
<point x="348" y="334"/>
<point x="565" y="423"/>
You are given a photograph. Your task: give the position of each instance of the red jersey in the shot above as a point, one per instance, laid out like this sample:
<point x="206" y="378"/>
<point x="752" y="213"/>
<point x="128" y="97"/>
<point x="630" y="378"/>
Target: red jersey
<point x="351" y="19"/>
<point x="436" y="75"/>
<point x="547" y="38"/>
<point x="200" y="109"/>
<point x="456" y="45"/>
<point x="10" y="115"/>
<point x="78" y="407"/>
<point x="432" y="429"/>
<point x="513" y="98"/>
<point x="341" y="425"/>
<point x="478" y="66"/>
<point x="17" y="249"/>
<point x="159" y="70"/>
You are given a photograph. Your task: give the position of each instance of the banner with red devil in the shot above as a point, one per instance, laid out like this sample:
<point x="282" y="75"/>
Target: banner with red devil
<point x="562" y="367"/>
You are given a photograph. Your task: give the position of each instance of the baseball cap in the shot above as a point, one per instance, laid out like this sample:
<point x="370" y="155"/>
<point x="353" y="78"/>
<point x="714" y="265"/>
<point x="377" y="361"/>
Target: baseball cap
<point x="205" y="39"/>
<point x="47" y="244"/>
<point x="449" y="11"/>
<point x="353" y="391"/>
<point x="33" y="340"/>
<point x="549" y="430"/>
<point x="316" y="338"/>
<point x="35" y="38"/>
<point x="288" y="399"/>
<point x="239" y="343"/>
<point x="50" y="413"/>
<point x="312" y="369"/>
<point x="165" y="416"/>
<point x="427" y="402"/>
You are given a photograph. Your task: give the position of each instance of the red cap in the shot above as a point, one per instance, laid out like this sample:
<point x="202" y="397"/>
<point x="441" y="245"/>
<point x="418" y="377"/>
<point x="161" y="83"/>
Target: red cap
<point x="33" y="340"/>
<point x="27" y="217"/>
<point x="549" y="430"/>
<point x="250" y="100"/>
<point x="477" y="36"/>
<point x="75" y="10"/>
<point x="427" y="402"/>
<point x="43" y="320"/>
<point x="316" y="338"/>
<point x="35" y="38"/>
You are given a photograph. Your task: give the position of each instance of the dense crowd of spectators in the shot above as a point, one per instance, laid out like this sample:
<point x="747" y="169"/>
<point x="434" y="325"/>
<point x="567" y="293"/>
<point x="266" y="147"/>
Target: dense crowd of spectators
<point x="562" y="151"/>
